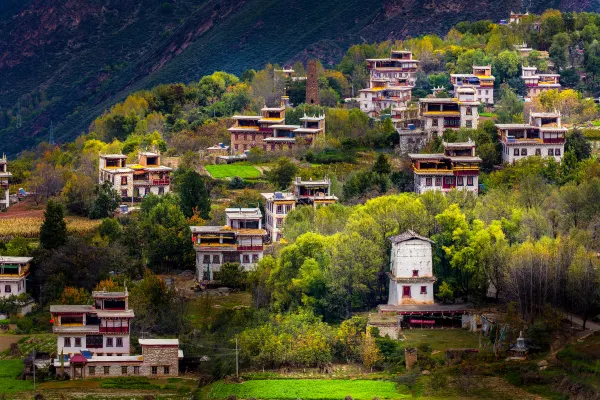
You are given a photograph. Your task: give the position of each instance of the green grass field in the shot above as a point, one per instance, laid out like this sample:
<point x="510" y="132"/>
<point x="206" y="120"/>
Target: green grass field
<point x="232" y="170"/>
<point x="283" y="389"/>
<point x="441" y="339"/>
<point x="9" y="370"/>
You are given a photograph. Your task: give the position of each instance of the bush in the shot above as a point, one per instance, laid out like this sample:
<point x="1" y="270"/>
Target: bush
<point x="232" y="275"/>
<point x="25" y="325"/>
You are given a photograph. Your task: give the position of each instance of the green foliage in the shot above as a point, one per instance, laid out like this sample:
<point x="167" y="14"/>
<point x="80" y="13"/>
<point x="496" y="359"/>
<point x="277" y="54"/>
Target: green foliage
<point x="53" y="232"/>
<point x="106" y="202"/>
<point x="110" y="229"/>
<point x="282" y="174"/>
<point x="193" y="194"/>
<point x="232" y="275"/>
<point x="445" y="292"/>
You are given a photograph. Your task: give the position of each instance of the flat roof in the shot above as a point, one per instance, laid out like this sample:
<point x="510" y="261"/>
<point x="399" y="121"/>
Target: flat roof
<point x="427" y="156"/>
<point x="14" y="260"/>
<point x="545" y="114"/>
<point x="415" y="308"/>
<point x="116" y="313"/>
<point x="159" y="342"/>
<point x="211" y="229"/>
<point x="109" y="295"/>
<point x="243" y="212"/>
<point x="113" y="156"/>
<point x="283" y="126"/>
<point x="71" y="308"/>
<point x="514" y="126"/>
<point x="284" y="196"/>
<point x="252" y="117"/>
<point x="158" y="168"/>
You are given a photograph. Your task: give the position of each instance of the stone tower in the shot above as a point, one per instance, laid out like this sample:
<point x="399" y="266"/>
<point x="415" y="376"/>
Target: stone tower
<point x="312" y="83"/>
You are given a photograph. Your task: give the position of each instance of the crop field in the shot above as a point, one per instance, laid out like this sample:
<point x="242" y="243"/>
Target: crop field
<point x="9" y="370"/>
<point x="42" y="342"/>
<point x="30" y="227"/>
<point x="232" y="170"/>
<point x="441" y="339"/>
<point x="306" y="389"/>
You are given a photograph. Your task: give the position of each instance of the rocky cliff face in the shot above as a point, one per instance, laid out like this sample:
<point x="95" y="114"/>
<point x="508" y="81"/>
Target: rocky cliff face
<point x="67" y="60"/>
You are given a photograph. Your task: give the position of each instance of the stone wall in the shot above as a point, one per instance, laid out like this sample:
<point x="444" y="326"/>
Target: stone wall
<point x="160" y="356"/>
<point x="410" y="354"/>
<point x="312" y="83"/>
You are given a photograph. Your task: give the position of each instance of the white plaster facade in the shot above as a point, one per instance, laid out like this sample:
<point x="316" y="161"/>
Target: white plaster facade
<point x="13" y="275"/>
<point x="411" y="270"/>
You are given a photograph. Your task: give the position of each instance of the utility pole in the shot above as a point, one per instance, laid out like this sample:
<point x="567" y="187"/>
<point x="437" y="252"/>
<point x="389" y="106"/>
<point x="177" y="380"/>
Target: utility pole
<point x="33" y="366"/>
<point x="237" y="364"/>
<point x="51" y="139"/>
<point x="19" y="120"/>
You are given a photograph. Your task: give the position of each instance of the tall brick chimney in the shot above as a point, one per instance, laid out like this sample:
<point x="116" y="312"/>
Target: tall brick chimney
<point x="312" y="83"/>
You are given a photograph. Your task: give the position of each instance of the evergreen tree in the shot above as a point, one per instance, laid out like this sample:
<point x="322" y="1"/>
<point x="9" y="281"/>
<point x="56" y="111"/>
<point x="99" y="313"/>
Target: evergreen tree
<point x="106" y="202"/>
<point x="53" y="232"/>
<point x="193" y="195"/>
<point x="282" y="174"/>
<point x="382" y="165"/>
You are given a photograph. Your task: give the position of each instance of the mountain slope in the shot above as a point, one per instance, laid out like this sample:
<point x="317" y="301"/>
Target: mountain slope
<point x="67" y="60"/>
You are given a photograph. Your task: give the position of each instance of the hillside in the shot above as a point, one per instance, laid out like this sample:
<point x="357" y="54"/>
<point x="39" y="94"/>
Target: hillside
<point x="66" y="61"/>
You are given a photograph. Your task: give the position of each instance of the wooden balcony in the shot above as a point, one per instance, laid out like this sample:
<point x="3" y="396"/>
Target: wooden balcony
<point x="250" y="248"/>
<point x="114" y="329"/>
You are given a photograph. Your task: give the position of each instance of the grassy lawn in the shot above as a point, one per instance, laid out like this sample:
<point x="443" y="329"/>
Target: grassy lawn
<point x="441" y="339"/>
<point x="232" y="170"/>
<point x="9" y="370"/>
<point x="306" y="389"/>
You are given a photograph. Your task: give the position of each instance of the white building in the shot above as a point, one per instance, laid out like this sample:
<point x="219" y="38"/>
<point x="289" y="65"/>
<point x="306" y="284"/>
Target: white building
<point x="456" y="168"/>
<point x="101" y="328"/>
<point x="4" y="183"/>
<point x="439" y="114"/>
<point x="13" y="275"/>
<point x="279" y="204"/>
<point x="537" y="83"/>
<point x="135" y="180"/>
<point x="390" y="83"/>
<point x="411" y="270"/>
<point x="239" y="241"/>
<point x="481" y="80"/>
<point x="544" y="136"/>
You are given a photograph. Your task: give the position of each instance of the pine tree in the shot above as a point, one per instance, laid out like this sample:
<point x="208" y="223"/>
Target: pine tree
<point x="382" y="165"/>
<point x="193" y="195"/>
<point x="53" y="232"/>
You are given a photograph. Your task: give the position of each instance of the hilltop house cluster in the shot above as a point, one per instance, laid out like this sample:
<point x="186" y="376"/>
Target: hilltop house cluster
<point x="243" y="237"/>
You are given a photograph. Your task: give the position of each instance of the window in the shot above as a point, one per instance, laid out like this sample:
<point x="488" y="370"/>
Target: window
<point x="434" y="122"/>
<point x="423" y="289"/>
<point x="237" y="147"/>
<point x="124" y="193"/>
<point x="538" y="152"/>
<point x="109" y="342"/>
<point x="279" y="209"/>
<point x="550" y="152"/>
<point x="438" y="181"/>
<point x="92" y="371"/>
<point x="136" y="370"/>
<point x="415" y="273"/>
<point x="77" y="342"/>
<point x="523" y="152"/>
<point x="469" y="124"/>
<point x="469" y="181"/>
<point x="427" y="181"/>
<point x="557" y="152"/>
<point x="516" y="152"/>
<point x="161" y="190"/>
<point x="245" y="138"/>
<point x="449" y="181"/>
<point x="487" y="92"/>
<point x="123" y="180"/>
<point x="245" y="258"/>
<point x="206" y="259"/>
<point x="7" y="289"/>
<point x="119" y="342"/>
<point x="154" y="370"/>
<point x="216" y="259"/>
<point x="166" y="367"/>
<point x="67" y="342"/>
<point x="123" y="370"/>
<point x="237" y="137"/>
<point x="460" y="181"/>
<point x="469" y="111"/>
<point x="106" y="370"/>
<point x="254" y="258"/>
<point x="245" y="147"/>
<point x="279" y="222"/>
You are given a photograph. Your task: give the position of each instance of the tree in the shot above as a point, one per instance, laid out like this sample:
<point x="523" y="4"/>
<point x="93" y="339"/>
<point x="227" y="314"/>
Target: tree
<point x="53" y="232"/>
<point x="445" y="292"/>
<point x="232" y="275"/>
<point x="506" y="65"/>
<point x="584" y="281"/>
<point x="559" y="50"/>
<point x="382" y="165"/>
<point x="193" y="194"/>
<point x="79" y="194"/>
<point x="370" y="355"/>
<point x="107" y="200"/>
<point x="283" y="173"/>
<point x="510" y="107"/>
<point x="578" y="144"/>
<point x="110" y="229"/>
<point x="74" y="296"/>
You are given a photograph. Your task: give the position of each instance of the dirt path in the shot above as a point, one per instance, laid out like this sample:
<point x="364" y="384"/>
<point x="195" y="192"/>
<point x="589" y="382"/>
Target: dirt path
<point x="7" y="340"/>
<point x="24" y="209"/>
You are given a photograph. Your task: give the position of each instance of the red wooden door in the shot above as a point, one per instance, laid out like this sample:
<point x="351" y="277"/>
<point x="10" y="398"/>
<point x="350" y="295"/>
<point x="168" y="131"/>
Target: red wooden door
<point x="405" y="291"/>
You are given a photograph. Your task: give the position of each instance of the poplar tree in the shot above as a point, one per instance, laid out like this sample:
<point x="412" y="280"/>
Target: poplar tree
<point x="53" y="232"/>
